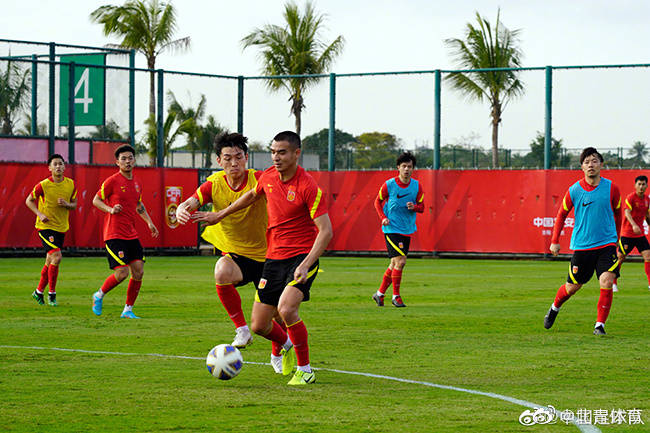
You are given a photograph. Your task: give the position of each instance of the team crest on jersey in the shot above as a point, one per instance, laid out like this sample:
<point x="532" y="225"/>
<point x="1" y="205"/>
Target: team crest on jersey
<point x="262" y="283"/>
<point x="51" y="238"/>
<point x="574" y="270"/>
<point x="123" y="188"/>
<point x="291" y="195"/>
<point x="120" y="254"/>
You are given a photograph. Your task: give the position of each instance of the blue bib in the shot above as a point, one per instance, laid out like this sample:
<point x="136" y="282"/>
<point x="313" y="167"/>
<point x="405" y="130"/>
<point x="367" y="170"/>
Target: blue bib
<point x="402" y="220"/>
<point x="594" y="217"/>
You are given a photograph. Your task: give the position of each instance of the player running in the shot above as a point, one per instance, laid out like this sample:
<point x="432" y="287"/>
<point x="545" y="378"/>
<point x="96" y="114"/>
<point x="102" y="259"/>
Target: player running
<point x="51" y="200"/>
<point x="635" y="209"/>
<point x="120" y="196"/>
<point x="597" y="206"/>
<point x="397" y="202"/>
<point x="299" y="230"/>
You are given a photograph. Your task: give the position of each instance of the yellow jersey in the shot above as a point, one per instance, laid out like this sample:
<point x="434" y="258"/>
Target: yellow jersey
<point x="47" y="192"/>
<point x="243" y="232"/>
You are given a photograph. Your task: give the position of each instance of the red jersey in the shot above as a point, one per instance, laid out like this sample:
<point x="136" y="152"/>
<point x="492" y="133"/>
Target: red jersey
<point x="117" y="189"/>
<point x="639" y="208"/>
<point x="292" y="206"/>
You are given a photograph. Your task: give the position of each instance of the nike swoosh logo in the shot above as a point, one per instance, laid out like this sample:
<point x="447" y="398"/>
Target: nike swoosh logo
<point x="401" y="196"/>
<point x="587" y="204"/>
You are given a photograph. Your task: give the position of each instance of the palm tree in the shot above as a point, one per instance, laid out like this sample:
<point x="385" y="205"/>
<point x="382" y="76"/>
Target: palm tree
<point x="206" y="138"/>
<point x="639" y="151"/>
<point x="188" y="118"/>
<point x="486" y="47"/>
<point x="150" y="139"/>
<point x="14" y="88"/>
<point x="110" y="131"/>
<point x="147" y="26"/>
<point x="294" y="49"/>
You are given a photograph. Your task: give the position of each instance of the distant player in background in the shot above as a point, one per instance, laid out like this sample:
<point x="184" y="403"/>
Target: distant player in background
<point x="240" y="238"/>
<point x="397" y="202"/>
<point x="120" y="196"/>
<point x="51" y="200"/>
<point x="298" y="232"/>
<point x="597" y="206"/>
<point x="635" y="208"/>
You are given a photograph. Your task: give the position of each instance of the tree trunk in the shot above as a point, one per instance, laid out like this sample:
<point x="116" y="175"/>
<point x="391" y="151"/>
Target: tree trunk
<point x="496" y="119"/>
<point x="151" y="64"/>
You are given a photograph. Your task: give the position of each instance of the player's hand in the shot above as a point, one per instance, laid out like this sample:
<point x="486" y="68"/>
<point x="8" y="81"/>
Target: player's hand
<point x="116" y="209"/>
<point x="555" y="249"/>
<point x="636" y="229"/>
<point x="154" y="230"/>
<point x="43" y="218"/>
<point x="300" y="274"/>
<point x="182" y="215"/>
<point x="410" y="205"/>
<point x="62" y="202"/>
<point x="210" y="218"/>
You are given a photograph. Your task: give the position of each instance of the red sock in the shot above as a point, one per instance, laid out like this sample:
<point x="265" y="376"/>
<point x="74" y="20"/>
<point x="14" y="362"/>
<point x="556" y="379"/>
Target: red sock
<point x="604" y="304"/>
<point x="132" y="291"/>
<point x="646" y="265"/>
<point x="386" y="281"/>
<point x="231" y="301"/>
<point x="110" y="283"/>
<point x="276" y="347"/>
<point x="397" y="280"/>
<point x="561" y="296"/>
<point x="277" y="334"/>
<point x="43" y="282"/>
<point x="298" y="334"/>
<point x="52" y="274"/>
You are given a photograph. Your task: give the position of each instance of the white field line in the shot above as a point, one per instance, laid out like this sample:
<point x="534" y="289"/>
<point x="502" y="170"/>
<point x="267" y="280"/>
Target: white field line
<point x="585" y="428"/>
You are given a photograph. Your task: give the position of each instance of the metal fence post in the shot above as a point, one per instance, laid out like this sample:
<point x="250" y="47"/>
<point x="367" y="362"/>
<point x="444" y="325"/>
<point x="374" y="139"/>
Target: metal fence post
<point x="71" y="132"/>
<point x="34" y="126"/>
<point x="331" y="162"/>
<point x="549" y="113"/>
<point x="160" y="139"/>
<point x="436" y="115"/>
<point x="240" y="104"/>
<point x="51" y="126"/>
<point x="132" y="97"/>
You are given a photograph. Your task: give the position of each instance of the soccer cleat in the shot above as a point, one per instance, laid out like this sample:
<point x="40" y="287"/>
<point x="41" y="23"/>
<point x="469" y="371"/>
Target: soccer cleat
<point x="52" y="299"/>
<point x="276" y="363"/>
<point x="243" y="338"/>
<point x="378" y="299"/>
<point x="288" y="360"/>
<point x="38" y="297"/>
<point x="128" y="315"/>
<point x="614" y="287"/>
<point x="97" y="304"/>
<point x="398" y="302"/>
<point x="599" y="330"/>
<point x="302" y="378"/>
<point x="549" y="319"/>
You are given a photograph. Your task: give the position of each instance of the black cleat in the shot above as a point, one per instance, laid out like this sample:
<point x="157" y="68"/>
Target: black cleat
<point x="38" y="297"/>
<point x="599" y="330"/>
<point x="378" y="299"/>
<point x="52" y="299"/>
<point x="398" y="302"/>
<point x="549" y="319"/>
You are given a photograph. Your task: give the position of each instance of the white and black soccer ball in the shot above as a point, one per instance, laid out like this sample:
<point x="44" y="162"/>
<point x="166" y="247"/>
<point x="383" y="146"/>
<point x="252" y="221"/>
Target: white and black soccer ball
<point x="224" y="361"/>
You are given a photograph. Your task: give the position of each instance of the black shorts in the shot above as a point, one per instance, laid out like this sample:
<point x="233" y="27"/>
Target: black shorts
<point x="121" y="252"/>
<point x="251" y="270"/>
<point x="397" y="245"/>
<point x="278" y="274"/>
<point x="626" y="245"/>
<point x="52" y="240"/>
<point x="584" y="262"/>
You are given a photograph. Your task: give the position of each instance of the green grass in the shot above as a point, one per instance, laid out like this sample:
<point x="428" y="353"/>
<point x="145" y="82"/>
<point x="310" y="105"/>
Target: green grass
<point x="469" y="323"/>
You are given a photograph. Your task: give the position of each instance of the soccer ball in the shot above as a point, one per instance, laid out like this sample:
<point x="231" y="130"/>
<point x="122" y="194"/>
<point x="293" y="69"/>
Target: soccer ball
<point x="224" y="361"/>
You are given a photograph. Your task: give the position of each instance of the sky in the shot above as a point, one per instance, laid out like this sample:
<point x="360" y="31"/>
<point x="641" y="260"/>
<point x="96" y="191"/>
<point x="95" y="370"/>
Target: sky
<point x="605" y="108"/>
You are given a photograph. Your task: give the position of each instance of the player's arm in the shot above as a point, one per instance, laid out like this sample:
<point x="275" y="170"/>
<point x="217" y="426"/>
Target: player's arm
<point x="325" y="234"/>
<point x="31" y="203"/>
<point x="382" y="196"/>
<point x="70" y="205"/>
<point x="215" y="217"/>
<point x="142" y="211"/>
<point x="99" y="204"/>
<point x="628" y="215"/>
<point x="562" y="213"/>
<point x="418" y="206"/>
<point x="201" y="196"/>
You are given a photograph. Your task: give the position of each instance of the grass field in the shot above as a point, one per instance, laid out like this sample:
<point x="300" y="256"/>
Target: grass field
<point x="471" y="324"/>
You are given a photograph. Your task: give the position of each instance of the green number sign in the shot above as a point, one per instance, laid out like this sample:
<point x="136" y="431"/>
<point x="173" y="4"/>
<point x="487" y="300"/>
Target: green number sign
<point x="89" y="90"/>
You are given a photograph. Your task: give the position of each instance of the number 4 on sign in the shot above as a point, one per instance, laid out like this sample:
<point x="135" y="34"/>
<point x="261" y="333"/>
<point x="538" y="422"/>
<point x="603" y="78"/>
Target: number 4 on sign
<point x="85" y="82"/>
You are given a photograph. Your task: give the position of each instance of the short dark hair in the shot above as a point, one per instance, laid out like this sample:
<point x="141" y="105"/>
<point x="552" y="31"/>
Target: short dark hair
<point x="122" y="149"/>
<point x="406" y="157"/>
<point x="642" y="178"/>
<point x="290" y="136"/>
<point x="588" y="152"/>
<point x="227" y="139"/>
<point x="54" y="156"/>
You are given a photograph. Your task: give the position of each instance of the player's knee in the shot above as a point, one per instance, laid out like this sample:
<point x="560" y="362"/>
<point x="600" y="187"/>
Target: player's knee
<point x="260" y="327"/>
<point x="121" y="273"/>
<point x="55" y="258"/>
<point x="137" y="274"/>
<point x="288" y="314"/>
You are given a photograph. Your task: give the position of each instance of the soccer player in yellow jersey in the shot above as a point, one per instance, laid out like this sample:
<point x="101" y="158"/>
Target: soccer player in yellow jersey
<point x="240" y="238"/>
<point x="51" y="200"/>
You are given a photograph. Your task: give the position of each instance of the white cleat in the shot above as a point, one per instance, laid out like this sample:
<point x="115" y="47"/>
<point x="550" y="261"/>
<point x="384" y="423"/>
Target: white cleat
<point x="614" y="287"/>
<point x="276" y="363"/>
<point x="243" y="338"/>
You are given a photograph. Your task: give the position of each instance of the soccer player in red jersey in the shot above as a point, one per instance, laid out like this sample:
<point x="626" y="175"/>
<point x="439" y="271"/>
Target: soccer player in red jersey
<point x="635" y="208"/>
<point x="120" y="196"/>
<point x="299" y="230"/>
<point x="51" y="200"/>
<point x="398" y="201"/>
<point x="597" y="207"/>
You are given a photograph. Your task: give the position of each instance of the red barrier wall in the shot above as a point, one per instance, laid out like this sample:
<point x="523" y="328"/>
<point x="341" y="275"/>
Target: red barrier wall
<point x="86" y="222"/>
